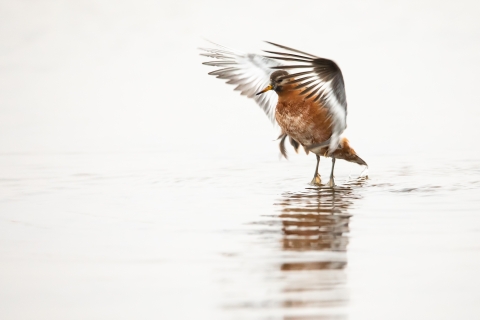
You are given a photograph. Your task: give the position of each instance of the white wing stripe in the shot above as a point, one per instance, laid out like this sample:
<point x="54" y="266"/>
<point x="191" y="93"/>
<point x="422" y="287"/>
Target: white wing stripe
<point x="338" y="113"/>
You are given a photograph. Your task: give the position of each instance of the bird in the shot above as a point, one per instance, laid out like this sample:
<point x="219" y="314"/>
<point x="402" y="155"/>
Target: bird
<point x="301" y="93"/>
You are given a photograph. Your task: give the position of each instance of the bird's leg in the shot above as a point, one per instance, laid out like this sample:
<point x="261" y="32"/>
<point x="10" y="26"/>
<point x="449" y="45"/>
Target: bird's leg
<point x="316" y="177"/>
<point x="331" y="183"/>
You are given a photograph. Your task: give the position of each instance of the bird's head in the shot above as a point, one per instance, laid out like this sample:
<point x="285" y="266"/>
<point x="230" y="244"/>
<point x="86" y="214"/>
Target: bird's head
<point x="277" y="81"/>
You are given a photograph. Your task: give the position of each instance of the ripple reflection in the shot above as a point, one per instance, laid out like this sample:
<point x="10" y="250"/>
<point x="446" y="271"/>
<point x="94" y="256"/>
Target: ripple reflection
<point x="315" y="227"/>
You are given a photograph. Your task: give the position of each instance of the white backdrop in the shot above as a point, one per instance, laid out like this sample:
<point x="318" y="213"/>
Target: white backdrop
<point x="102" y="76"/>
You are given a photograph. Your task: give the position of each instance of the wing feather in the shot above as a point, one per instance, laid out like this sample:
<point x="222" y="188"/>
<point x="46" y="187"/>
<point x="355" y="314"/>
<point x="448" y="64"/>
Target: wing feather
<point x="250" y="73"/>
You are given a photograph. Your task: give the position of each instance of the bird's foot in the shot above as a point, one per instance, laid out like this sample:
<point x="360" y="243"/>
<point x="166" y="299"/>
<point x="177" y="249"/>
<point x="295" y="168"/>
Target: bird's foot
<point x="316" y="181"/>
<point x="331" y="183"/>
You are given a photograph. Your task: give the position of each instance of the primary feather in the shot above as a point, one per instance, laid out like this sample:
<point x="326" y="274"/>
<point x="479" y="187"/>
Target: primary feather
<point x="249" y="71"/>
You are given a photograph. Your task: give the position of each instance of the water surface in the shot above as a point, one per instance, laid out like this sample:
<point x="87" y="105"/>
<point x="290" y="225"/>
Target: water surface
<point x="108" y="236"/>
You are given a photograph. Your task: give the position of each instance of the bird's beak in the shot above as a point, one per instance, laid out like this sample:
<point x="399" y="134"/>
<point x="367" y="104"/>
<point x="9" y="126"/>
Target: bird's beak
<point x="269" y="87"/>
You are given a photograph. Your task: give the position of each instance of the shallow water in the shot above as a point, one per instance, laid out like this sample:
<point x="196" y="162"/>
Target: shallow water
<point x="112" y="236"/>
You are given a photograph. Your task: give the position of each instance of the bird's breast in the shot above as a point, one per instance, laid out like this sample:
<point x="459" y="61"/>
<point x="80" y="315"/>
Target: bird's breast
<point x="303" y="120"/>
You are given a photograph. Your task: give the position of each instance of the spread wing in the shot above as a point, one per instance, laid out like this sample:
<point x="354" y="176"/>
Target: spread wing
<point x="249" y="72"/>
<point x="321" y="80"/>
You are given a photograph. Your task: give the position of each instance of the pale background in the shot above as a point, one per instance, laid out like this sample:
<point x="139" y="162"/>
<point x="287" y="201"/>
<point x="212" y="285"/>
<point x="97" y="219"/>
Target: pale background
<point x="101" y="76"/>
<point x="134" y="186"/>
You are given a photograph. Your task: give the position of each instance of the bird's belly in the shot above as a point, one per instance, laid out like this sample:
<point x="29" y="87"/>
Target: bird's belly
<point x="303" y="123"/>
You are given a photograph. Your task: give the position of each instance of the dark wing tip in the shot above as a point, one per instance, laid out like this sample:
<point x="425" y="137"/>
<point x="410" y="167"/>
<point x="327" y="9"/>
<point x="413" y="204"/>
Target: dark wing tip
<point x="291" y="49"/>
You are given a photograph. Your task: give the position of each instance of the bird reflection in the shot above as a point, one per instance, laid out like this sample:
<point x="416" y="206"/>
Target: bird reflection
<point x="305" y="279"/>
<point x="317" y="218"/>
<point x="315" y="227"/>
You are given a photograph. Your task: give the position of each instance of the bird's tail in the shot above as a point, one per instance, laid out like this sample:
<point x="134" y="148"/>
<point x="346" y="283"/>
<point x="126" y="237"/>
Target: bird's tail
<point x="346" y="152"/>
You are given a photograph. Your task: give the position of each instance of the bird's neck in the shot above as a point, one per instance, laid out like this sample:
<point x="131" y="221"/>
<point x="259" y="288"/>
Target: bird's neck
<point x="288" y="92"/>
